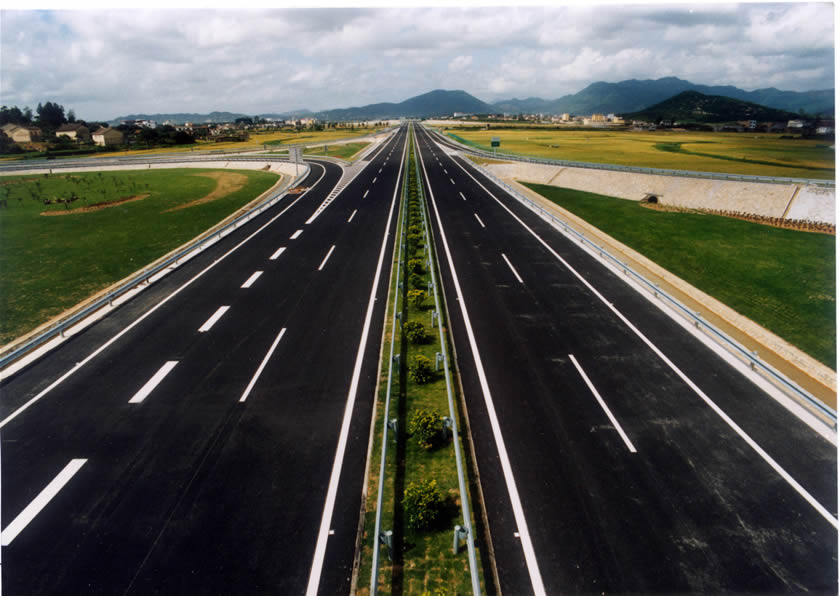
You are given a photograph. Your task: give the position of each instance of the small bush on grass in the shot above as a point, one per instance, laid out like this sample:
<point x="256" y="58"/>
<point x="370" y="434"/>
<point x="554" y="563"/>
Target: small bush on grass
<point x="416" y="281"/>
<point x="415" y="331"/>
<point x="422" y="371"/>
<point x="423" y="504"/>
<point x="416" y="266"/>
<point x="414" y="241"/>
<point x="416" y="297"/>
<point x="415" y="229"/>
<point x="425" y="426"/>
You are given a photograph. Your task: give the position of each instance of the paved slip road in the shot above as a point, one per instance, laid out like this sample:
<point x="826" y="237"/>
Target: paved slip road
<point x="166" y="482"/>
<point x="681" y="501"/>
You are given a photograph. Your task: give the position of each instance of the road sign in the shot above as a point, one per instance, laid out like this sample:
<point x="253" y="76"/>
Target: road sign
<point x="495" y="142"/>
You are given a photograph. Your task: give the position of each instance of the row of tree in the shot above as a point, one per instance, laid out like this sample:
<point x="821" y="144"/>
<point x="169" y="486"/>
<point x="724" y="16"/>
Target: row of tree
<point x="48" y="116"/>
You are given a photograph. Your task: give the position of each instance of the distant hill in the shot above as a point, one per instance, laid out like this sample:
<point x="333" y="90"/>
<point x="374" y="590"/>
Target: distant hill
<point x="693" y="106"/>
<point x="180" y="118"/>
<point x="634" y="95"/>
<point x="434" y="103"/>
<point x="211" y="118"/>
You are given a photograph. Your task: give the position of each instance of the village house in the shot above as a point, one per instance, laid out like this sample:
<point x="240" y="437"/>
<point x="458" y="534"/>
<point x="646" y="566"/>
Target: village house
<point x="22" y="134"/>
<point x="77" y="132"/>
<point x="107" y="137"/>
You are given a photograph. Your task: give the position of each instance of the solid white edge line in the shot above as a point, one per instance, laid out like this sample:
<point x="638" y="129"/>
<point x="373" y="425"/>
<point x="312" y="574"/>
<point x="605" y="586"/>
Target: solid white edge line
<point x="504" y="460"/>
<point x="257" y="374"/>
<point x="601" y="401"/>
<point x="38" y="503"/>
<point x="251" y="280"/>
<point x="296" y="235"/>
<point x="332" y="490"/>
<point x="723" y="415"/>
<point x="511" y="267"/>
<point x="479" y="220"/>
<point x="150" y="385"/>
<point x="208" y="324"/>
<point x="149" y="312"/>
<point x="324" y="262"/>
<point x="352" y="215"/>
<point x="277" y="253"/>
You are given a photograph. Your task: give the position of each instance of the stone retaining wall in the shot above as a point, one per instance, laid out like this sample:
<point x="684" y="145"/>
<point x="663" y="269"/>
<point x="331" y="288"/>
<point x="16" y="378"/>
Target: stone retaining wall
<point x="767" y="200"/>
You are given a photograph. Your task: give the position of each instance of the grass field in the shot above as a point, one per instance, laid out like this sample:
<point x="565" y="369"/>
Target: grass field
<point x="51" y="262"/>
<point x="736" y="153"/>
<point x="342" y="151"/>
<point x="783" y="280"/>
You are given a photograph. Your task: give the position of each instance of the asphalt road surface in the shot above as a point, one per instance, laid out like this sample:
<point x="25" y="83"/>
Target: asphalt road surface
<point x="616" y="453"/>
<point x="210" y="436"/>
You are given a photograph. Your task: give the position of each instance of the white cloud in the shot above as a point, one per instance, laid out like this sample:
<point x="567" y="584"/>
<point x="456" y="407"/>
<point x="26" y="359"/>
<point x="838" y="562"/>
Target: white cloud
<point x="460" y="63"/>
<point x="104" y="63"/>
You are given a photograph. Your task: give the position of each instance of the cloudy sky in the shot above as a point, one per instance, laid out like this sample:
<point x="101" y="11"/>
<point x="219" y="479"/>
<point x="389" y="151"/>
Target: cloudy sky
<point x="106" y="63"/>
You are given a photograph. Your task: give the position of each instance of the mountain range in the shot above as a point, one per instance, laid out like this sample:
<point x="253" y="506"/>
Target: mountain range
<point x="634" y="95"/>
<point x="619" y="98"/>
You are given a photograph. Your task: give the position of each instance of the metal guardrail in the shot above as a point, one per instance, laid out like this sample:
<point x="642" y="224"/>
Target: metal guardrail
<point x="636" y="169"/>
<point x="461" y="532"/>
<point x="62" y="326"/>
<point x="465" y="531"/>
<point x="380" y="537"/>
<point x="754" y="361"/>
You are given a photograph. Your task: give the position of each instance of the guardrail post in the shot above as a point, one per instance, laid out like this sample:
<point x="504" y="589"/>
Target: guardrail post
<point x="460" y="534"/>
<point x="434" y="318"/>
<point x="438" y="360"/>
<point x="397" y="360"/>
<point x="448" y="424"/>
<point x="392" y="424"/>
<point x="386" y="538"/>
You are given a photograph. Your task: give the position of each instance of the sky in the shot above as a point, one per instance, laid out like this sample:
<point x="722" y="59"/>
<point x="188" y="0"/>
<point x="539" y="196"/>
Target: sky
<point x="106" y="63"/>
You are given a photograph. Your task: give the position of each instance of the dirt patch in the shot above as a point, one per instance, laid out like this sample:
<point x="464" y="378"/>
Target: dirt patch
<point x="776" y="222"/>
<point x="226" y="183"/>
<point x="96" y="206"/>
<point x="18" y="181"/>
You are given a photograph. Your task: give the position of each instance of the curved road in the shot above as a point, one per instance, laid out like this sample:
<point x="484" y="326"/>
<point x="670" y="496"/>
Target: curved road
<point x="197" y="448"/>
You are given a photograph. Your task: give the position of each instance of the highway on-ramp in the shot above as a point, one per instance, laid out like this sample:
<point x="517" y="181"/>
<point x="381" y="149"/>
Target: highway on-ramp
<point x="616" y="453"/>
<point x="210" y="435"/>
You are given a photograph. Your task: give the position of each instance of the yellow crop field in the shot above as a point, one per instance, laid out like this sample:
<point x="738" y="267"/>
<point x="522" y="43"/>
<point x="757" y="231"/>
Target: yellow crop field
<point x="736" y="153"/>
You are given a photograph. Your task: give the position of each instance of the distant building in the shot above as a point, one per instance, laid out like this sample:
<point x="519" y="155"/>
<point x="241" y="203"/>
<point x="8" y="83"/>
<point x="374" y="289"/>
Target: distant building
<point x="598" y="118"/>
<point x="565" y="117"/>
<point x="107" y="137"/>
<point x="77" y="132"/>
<point x="796" y="124"/>
<point x="22" y="134"/>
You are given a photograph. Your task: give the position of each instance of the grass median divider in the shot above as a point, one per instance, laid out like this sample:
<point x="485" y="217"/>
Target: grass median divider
<point x="421" y="494"/>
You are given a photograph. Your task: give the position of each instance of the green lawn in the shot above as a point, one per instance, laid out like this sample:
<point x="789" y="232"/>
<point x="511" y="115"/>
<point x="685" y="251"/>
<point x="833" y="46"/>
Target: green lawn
<point x="50" y="263"/>
<point x="782" y="279"/>
<point x="343" y="151"/>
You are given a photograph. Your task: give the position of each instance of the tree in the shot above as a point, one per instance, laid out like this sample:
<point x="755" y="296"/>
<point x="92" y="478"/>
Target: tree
<point x="71" y="116"/>
<point x="51" y="115"/>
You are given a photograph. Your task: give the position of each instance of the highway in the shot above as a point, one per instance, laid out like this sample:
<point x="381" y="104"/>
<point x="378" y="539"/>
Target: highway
<point x="210" y="436"/>
<point x="615" y="452"/>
